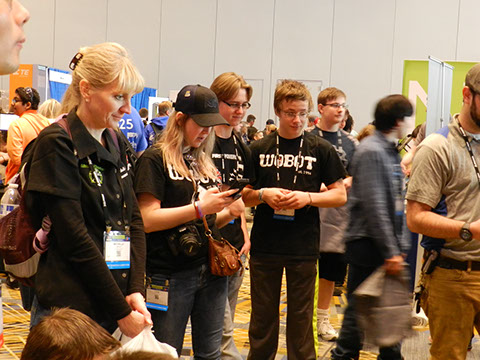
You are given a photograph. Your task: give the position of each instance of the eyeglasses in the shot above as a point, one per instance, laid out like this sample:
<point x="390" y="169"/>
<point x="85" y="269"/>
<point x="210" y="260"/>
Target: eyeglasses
<point x="293" y="115"/>
<point x="237" y="106"/>
<point x="15" y="100"/>
<point x="337" y="105"/>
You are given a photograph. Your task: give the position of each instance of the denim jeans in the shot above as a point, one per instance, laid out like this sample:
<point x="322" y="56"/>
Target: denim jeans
<point x="350" y="340"/>
<point x="229" y="349"/>
<point x="197" y="294"/>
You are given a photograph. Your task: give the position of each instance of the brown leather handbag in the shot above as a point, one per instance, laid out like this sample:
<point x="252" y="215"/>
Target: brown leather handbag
<point x="223" y="258"/>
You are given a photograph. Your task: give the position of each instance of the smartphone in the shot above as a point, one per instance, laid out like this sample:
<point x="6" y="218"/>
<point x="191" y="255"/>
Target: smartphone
<point x="238" y="184"/>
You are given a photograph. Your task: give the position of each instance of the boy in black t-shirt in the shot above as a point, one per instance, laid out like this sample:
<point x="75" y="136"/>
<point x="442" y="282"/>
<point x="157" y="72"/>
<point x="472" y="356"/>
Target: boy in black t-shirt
<point x="333" y="222"/>
<point x="290" y="166"/>
<point x="233" y="160"/>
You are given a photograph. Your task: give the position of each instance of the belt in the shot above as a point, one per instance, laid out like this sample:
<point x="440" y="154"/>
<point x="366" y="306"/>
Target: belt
<point x="449" y="263"/>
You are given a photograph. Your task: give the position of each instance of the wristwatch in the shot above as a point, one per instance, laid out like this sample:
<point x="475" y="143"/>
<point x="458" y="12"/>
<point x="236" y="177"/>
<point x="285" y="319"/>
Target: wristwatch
<point x="465" y="233"/>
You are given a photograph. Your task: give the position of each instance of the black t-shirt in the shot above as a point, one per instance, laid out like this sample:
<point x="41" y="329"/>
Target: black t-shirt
<point x="319" y="164"/>
<point x="345" y="149"/>
<point x="73" y="271"/>
<point x="232" y="167"/>
<point x="173" y="190"/>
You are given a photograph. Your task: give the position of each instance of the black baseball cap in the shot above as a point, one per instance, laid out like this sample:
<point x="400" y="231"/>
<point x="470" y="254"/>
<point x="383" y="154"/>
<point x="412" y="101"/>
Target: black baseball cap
<point x="201" y="104"/>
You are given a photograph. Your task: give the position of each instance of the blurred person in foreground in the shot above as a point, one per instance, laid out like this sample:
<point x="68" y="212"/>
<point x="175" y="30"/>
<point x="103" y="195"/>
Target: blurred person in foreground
<point x="12" y="18"/>
<point x="83" y="182"/>
<point x="375" y="235"/>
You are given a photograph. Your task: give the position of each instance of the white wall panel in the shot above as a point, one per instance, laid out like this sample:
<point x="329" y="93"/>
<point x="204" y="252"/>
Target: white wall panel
<point x="244" y="45"/>
<point x="138" y="30"/>
<point x="468" y="31"/>
<point x="78" y="25"/>
<point x="302" y="43"/>
<point x="40" y="33"/>
<point x="423" y="28"/>
<point x="359" y="46"/>
<point x="362" y="54"/>
<point x="187" y="44"/>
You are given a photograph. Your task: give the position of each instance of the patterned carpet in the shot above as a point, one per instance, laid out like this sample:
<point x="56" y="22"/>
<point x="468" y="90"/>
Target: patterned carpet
<point x="16" y="321"/>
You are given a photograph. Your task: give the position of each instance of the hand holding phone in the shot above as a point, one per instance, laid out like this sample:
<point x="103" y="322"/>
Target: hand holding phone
<point x="238" y="184"/>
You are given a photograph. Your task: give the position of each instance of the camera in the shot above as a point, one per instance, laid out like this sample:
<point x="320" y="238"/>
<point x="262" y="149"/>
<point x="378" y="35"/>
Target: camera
<point x="185" y="239"/>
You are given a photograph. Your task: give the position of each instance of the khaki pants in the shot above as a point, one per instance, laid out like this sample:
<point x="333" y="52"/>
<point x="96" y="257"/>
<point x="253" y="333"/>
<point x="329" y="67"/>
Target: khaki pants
<point x="451" y="300"/>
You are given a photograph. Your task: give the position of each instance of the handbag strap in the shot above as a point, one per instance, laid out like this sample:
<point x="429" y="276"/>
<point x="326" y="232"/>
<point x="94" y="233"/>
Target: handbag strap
<point x="208" y="232"/>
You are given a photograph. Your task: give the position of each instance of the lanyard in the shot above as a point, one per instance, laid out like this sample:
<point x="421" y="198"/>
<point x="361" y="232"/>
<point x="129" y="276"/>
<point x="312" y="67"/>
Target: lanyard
<point x="237" y="159"/>
<point x="339" y="140"/>
<point x="108" y="224"/>
<point x="469" y="148"/>
<point x="297" y="164"/>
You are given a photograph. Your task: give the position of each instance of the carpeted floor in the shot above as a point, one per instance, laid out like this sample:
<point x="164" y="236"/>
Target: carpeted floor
<point x="415" y="348"/>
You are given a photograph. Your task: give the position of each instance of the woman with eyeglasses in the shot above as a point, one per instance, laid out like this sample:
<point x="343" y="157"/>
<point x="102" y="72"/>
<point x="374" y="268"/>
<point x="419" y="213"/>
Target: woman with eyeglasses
<point x="80" y="178"/>
<point x="24" y="129"/>
<point x="176" y="185"/>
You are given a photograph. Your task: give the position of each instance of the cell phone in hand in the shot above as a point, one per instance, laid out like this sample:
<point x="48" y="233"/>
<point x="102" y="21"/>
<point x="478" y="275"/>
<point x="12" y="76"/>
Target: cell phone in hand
<point x="238" y="184"/>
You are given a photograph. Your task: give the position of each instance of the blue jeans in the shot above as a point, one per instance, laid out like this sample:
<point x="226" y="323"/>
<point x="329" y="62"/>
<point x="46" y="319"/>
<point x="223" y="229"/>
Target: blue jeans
<point x="197" y="294"/>
<point x="350" y="340"/>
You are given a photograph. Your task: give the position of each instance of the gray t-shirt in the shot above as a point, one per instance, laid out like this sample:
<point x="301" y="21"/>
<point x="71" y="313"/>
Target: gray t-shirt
<point x="443" y="177"/>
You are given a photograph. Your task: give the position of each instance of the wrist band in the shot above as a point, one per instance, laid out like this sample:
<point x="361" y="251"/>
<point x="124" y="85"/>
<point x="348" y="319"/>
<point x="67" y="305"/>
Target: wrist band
<point x="260" y="195"/>
<point x="310" y="196"/>
<point x="199" y="209"/>
<point x="198" y="213"/>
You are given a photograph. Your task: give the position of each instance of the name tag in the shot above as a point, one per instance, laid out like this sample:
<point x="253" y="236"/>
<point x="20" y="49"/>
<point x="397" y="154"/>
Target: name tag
<point x="116" y="248"/>
<point x="284" y="214"/>
<point x="157" y="296"/>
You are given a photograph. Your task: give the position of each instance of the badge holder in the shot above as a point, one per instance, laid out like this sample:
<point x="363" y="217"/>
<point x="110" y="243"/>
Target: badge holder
<point x="284" y="214"/>
<point x="116" y="245"/>
<point x="157" y="296"/>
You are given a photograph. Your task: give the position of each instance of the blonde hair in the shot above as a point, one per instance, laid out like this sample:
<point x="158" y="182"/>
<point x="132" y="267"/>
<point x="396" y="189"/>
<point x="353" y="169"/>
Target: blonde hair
<point x="227" y="85"/>
<point x="172" y="142"/>
<point x="50" y="108"/>
<point x="102" y="65"/>
<point x="366" y="132"/>
<point x="291" y="90"/>
<point x="164" y="107"/>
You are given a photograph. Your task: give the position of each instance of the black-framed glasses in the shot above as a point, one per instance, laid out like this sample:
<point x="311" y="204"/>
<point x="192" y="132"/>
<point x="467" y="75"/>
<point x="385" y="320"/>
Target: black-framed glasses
<point x="293" y="115"/>
<point x="237" y="106"/>
<point x="338" y="105"/>
<point x="15" y="100"/>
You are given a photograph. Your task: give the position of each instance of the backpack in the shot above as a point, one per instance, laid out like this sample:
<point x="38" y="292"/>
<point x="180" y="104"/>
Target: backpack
<point x="21" y="243"/>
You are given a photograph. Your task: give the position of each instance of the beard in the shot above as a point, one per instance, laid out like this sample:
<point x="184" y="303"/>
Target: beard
<point x="474" y="113"/>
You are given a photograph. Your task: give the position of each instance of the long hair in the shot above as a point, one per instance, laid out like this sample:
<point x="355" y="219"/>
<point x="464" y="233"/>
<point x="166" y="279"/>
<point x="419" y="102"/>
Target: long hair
<point x="101" y="65"/>
<point x="172" y="142"/>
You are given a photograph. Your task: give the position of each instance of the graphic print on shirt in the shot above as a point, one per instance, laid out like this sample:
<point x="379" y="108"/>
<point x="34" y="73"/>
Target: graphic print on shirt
<point x="305" y="165"/>
<point x="235" y="172"/>
<point x="175" y="176"/>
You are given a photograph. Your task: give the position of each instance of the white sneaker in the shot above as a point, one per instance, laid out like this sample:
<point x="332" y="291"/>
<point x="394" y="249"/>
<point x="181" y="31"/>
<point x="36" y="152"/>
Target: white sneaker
<point x="325" y="329"/>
